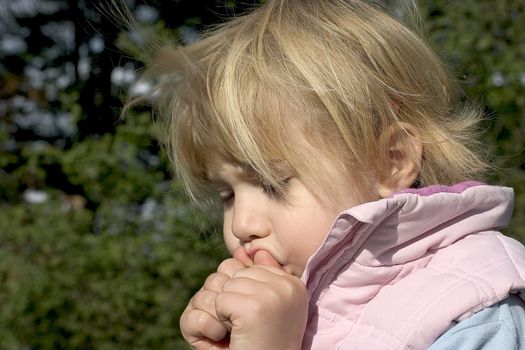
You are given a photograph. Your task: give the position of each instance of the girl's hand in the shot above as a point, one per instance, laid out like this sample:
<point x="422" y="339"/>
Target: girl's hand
<point x="263" y="307"/>
<point x="199" y="323"/>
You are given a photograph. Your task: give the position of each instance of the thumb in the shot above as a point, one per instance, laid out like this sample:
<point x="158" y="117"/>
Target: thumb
<point x="240" y="254"/>
<point x="263" y="257"/>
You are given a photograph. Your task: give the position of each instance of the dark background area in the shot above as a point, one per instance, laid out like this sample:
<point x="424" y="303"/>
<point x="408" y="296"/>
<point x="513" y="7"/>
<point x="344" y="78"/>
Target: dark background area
<point x="99" y="249"/>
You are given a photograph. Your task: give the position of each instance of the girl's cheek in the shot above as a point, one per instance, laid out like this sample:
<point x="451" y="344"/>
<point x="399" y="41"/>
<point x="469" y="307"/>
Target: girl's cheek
<point x="231" y="247"/>
<point x="230" y="240"/>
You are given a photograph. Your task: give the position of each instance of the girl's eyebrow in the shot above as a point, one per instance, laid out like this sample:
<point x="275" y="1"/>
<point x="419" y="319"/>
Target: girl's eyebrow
<point x="241" y="170"/>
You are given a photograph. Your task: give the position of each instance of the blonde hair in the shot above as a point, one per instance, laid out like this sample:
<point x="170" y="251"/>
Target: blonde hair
<point x="340" y="72"/>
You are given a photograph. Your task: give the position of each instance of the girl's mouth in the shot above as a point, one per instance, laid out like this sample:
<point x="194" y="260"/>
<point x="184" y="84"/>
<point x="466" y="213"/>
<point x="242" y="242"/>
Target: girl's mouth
<point x="256" y="256"/>
<point x="251" y="252"/>
<point x="263" y="257"/>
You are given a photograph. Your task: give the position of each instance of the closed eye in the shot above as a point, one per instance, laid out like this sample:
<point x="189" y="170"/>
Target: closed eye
<point x="271" y="191"/>
<point x="226" y="196"/>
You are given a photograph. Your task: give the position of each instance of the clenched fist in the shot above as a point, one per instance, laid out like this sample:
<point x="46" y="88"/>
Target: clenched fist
<point x="247" y="305"/>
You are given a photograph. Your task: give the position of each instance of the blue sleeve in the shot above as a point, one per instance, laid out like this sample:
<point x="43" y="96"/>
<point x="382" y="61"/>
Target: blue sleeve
<point x="499" y="327"/>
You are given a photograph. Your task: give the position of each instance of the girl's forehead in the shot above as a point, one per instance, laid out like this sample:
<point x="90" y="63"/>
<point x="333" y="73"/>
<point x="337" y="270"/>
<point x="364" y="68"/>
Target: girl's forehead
<point x="221" y="167"/>
<point x="217" y="170"/>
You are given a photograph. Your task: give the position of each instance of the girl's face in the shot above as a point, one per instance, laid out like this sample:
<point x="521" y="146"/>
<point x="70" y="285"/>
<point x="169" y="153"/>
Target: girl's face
<point x="291" y="230"/>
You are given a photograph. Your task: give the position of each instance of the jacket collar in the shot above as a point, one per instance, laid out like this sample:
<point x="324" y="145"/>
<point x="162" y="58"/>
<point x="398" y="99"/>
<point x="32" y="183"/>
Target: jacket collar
<point x="407" y="226"/>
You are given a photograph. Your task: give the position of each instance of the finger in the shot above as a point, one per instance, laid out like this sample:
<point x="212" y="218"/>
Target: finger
<point x="240" y="254"/>
<point x="242" y="286"/>
<point x="197" y="325"/>
<point x="215" y="281"/>
<point x="204" y="300"/>
<point x="263" y="273"/>
<point x="263" y="257"/>
<point x="231" y="306"/>
<point x="206" y="344"/>
<point x="230" y="266"/>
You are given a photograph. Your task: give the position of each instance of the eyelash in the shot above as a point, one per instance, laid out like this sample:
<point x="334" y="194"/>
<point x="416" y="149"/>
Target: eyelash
<point x="267" y="188"/>
<point x="226" y="196"/>
<point x="271" y="190"/>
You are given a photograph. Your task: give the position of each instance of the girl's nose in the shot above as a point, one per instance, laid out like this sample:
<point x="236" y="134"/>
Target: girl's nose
<point x="249" y="221"/>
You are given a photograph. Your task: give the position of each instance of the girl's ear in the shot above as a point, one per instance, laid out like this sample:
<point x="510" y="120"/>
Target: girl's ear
<point x="405" y="151"/>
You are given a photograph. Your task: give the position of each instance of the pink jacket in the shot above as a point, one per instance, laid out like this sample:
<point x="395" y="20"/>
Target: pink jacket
<point x="396" y="273"/>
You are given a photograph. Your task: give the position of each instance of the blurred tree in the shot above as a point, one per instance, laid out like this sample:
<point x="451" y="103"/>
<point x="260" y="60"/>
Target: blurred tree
<point x="484" y="44"/>
<point x="92" y="232"/>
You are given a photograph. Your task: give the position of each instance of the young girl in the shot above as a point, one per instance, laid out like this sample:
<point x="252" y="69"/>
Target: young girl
<point x="336" y="141"/>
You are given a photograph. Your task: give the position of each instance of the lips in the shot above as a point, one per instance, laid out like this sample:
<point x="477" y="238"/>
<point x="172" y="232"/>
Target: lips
<point x="263" y="257"/>
<point x="251" y="252"/>
<point x="252" y="255"/>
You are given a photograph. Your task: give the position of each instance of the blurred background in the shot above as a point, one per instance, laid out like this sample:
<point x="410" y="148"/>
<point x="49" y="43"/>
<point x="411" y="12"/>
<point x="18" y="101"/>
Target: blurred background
<point x="99" y="249"/>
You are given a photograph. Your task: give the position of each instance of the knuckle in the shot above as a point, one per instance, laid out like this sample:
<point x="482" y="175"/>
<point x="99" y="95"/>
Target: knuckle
<point x="190" y="322"/>
<point x="224" y="265"/>
<point x="227" y="285"/>
<point x="215" y="281"/>
<point x="201" y="320"/>
<point x="229" y="266"/>
<point x="183" y="321"/>
<point x="219" y="305"/>
<point x="256" y="307"/>
<point x="204" y="300"/>
<point x="291" y="288"/>
<point x="230" y="285"/>
<point x="238" y="273"/>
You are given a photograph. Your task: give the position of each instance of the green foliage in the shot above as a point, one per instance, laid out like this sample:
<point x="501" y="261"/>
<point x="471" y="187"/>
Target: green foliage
<point x="66" y="288"/>
<point x="112" y="256"/>
<point x="482" y="42"/>
<point x="109" y="166"/>
<point x="151" y="37"/>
